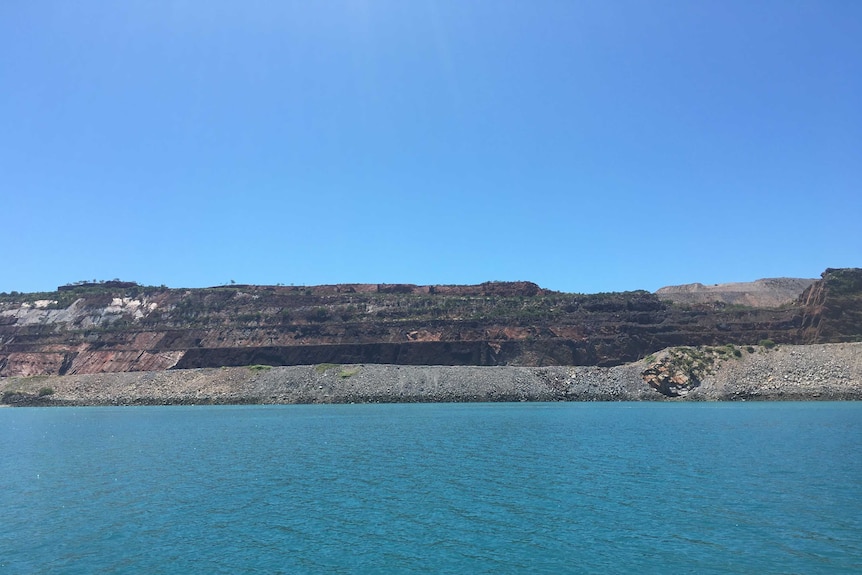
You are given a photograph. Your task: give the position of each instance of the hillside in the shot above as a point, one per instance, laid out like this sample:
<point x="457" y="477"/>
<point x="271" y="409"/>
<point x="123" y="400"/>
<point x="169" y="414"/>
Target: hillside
<point x="121" y="326"/>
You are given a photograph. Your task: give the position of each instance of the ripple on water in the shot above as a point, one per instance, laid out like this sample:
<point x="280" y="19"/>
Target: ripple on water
<point x="502" y="488"/>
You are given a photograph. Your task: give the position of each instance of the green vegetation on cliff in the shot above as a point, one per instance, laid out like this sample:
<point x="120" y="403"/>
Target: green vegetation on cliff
<point x="121" y="326"/>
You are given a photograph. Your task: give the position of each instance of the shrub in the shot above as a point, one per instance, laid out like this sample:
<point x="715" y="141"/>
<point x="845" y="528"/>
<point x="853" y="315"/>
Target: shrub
<point x="259" y="367"/>
<point x="46" y="391"/>
<point x="323" y="367"/>
<point x="767" y="343"/>
<point x="732" y="349"/>
<point x="319" y="314"/>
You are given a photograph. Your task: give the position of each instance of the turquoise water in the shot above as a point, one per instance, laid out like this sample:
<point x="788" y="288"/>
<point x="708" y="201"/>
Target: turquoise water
<point x="453" y="488"/>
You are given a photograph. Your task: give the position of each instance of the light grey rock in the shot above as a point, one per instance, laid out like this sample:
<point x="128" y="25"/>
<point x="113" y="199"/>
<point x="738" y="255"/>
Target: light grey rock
<point x="828" y="371"/>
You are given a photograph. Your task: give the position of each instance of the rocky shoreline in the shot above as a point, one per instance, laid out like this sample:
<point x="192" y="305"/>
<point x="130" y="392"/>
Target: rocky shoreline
<point x="807" y="372"/>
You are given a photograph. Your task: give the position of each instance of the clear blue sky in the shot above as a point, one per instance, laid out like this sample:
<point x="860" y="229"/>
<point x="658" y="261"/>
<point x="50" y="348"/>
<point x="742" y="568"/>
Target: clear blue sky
<point x="586" y="146"/>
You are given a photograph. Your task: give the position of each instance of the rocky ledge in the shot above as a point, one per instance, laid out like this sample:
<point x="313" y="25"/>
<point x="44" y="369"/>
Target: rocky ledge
<point x="822" y="372"/>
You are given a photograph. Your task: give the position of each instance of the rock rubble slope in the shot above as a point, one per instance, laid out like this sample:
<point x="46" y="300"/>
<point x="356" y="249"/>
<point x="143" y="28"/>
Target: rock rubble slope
<point x="821" y="372"/>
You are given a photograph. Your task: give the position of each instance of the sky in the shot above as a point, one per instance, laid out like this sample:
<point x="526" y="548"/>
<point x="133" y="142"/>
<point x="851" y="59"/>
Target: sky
<point x="585" y="146"/>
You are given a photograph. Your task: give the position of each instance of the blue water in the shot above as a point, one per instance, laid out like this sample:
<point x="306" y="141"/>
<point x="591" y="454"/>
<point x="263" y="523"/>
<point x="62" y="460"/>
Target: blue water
<point x="469" y="488"/>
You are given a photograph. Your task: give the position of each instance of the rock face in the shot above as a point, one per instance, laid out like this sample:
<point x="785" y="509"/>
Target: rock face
<point x="768" y="293"/>
<point x="678" y="371"/>
<point x="120" y="327"/>
<point x="833" y="307"/>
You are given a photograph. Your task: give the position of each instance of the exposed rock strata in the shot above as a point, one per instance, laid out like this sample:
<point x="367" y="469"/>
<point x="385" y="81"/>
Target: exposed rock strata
<point x="120" y="326"/>
<point x="832" y="371"/>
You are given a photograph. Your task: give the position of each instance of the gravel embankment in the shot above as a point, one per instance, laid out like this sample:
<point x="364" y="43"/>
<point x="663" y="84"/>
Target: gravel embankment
<point x="832" y="371"/>
<point x="790" y="372"/>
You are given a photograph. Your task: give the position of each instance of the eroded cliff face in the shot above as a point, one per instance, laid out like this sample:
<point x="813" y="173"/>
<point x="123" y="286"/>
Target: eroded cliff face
<point x="118" y="326"/>
<point x="832" y="307"/>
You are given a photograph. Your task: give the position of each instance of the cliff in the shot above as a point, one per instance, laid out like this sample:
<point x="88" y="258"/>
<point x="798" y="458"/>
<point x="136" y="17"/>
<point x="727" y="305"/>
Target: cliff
<point x="123" y="327"/>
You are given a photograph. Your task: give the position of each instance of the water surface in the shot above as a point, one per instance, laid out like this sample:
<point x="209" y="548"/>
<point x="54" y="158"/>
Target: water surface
<point x="433" y="488"/>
